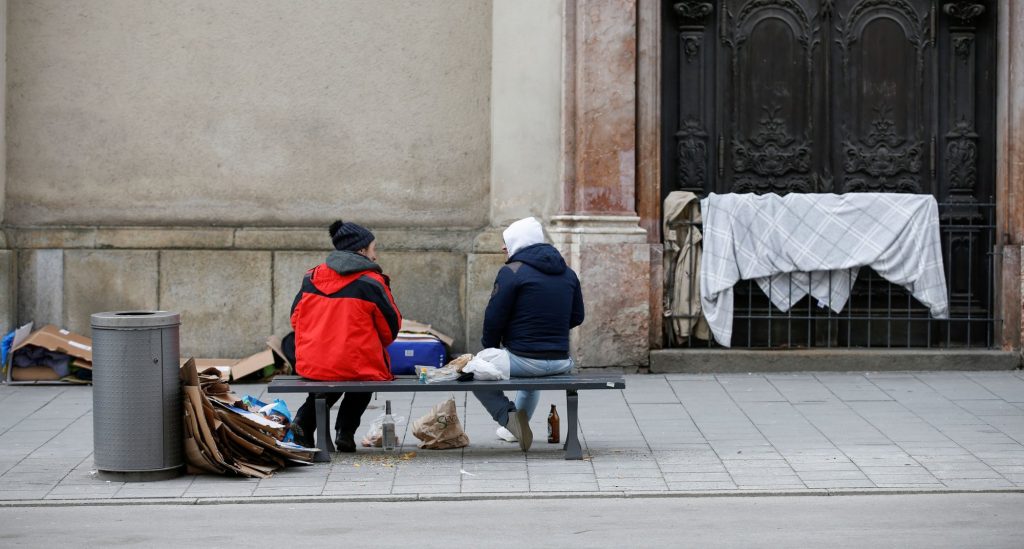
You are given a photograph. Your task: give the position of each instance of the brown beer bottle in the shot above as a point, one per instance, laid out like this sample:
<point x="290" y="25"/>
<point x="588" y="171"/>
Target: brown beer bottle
<point x="553" y="427"/>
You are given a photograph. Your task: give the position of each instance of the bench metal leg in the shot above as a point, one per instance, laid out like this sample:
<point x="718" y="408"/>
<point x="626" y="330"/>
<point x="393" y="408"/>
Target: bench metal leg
<point x="323" y="434"/>
<point x="573" y="450"/>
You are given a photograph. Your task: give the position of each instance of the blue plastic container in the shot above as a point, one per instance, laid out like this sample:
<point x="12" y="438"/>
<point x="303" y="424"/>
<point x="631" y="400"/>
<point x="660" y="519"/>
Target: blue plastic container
<point x="407" y="354"/>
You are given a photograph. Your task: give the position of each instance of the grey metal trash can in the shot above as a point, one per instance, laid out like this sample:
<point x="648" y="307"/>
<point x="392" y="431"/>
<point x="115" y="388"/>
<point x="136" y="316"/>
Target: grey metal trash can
<point x="136" y="395"/>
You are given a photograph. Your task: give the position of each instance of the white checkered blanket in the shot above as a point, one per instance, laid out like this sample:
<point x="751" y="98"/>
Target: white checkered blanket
<point x="814" y="244"/>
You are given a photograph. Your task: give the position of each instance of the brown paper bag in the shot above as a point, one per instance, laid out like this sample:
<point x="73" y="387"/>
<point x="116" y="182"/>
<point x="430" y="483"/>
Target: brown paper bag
<point x="440" y="428"/>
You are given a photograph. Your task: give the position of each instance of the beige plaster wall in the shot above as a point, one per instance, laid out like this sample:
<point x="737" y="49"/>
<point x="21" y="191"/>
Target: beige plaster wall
<point x="3" y="128"/>
<point x="8" y="262"/>
<point x="248" y="112"/>
<point x="526" y="95"/>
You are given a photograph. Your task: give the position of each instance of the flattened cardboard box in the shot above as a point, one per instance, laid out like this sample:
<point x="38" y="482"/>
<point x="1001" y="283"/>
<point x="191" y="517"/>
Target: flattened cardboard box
<point x="53" y="339"/>
<point x="233" y="369"/>
<point x="59" y="340"/>
<point x="223" y="365"/>
<point x="252" y="364"/>
<point x="414" y="327"/>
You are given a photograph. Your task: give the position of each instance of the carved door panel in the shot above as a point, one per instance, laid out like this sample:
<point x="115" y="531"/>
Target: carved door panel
<point x="839" y="96"/>
<point x="884" y="120"/>
<point x="771" y="57"/>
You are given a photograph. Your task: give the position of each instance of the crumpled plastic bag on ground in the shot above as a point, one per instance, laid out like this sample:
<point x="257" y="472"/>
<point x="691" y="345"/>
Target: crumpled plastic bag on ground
<point x="490" y="364"/>
<point x="374" y="437"/>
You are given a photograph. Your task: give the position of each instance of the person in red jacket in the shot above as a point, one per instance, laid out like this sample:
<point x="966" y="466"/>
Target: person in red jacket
<point x="344" y="317"/>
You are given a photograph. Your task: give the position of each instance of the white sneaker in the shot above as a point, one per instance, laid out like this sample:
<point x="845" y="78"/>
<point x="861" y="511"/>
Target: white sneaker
<point x="506" y="435"/>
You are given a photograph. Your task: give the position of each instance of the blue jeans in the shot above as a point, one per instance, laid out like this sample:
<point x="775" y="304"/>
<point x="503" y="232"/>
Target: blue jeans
<point x="499" y="406"/>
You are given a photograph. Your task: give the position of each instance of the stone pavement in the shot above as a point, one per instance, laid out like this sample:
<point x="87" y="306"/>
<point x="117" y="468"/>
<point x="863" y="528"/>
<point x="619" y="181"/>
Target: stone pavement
<point x="673" y="434"/>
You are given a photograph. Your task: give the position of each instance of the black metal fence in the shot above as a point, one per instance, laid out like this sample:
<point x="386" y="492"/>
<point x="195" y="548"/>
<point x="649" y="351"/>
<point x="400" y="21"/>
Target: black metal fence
<point x="878" y="313"/>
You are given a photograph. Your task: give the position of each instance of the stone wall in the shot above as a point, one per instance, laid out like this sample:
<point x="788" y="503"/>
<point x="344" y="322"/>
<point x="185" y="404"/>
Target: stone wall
<point x="248" y="113"/>
<point x="189" y="156"/>
<point x="232" y="287"/>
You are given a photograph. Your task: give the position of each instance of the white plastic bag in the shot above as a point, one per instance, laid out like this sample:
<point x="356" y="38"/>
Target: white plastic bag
<point x="482" y="370"/>
<point x="375" y="434"/>
<point x="490" y="364"/>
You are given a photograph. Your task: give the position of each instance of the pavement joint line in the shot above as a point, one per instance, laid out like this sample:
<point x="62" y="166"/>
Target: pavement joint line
<point x="57" y="434"/>
<point x="696" y="426"/>
<point x="632" y="414"/>
<point x="428" y="497"/>
<point x="928" y="422"/>
<point x="851" y="409"/>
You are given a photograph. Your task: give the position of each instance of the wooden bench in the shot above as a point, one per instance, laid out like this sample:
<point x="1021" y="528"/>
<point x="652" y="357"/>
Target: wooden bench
<point x="568" y="382"/>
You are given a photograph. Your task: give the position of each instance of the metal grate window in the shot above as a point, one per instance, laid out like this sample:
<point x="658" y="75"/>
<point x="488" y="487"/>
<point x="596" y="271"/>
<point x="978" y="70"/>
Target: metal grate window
<point x="878" y="314"/>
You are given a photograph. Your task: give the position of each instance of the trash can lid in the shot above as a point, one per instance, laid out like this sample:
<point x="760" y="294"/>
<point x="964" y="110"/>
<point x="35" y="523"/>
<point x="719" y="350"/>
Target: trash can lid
<point x="135" y="319"/>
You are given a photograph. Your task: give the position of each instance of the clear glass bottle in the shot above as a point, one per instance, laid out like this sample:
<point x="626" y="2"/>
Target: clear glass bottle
<point x="390" y="438"/>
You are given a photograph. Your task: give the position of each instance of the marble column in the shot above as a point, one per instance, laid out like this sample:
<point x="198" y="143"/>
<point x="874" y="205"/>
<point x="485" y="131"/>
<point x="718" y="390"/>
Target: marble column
<point x="1010" y="170"/>
<point x="598" y="230"/>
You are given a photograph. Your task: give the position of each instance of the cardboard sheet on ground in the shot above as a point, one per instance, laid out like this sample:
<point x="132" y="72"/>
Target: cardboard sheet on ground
<point x="54" y="339"/>
<point x="223" y="439"/>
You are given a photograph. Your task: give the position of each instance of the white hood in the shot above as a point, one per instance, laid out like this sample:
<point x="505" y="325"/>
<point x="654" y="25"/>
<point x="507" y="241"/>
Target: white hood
<point x="522" y="233"/>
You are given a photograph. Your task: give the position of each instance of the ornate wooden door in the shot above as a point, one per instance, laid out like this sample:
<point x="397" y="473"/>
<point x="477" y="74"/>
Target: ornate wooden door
<point x="839" y="96"/>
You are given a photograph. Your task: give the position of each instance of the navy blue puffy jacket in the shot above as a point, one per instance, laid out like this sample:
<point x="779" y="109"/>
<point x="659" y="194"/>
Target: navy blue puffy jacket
<point x="535" y="302"/>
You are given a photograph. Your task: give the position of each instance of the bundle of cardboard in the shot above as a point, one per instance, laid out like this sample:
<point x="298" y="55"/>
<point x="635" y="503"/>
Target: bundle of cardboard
<point x="223" y="438"/>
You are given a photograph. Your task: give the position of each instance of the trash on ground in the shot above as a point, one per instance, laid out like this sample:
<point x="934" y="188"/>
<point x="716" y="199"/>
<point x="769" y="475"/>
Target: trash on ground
<point x="49" y="355"/>
<point x="440" y="428"/>
<point x="383" y="460"/>
<point x="374" y="437"/>
<point x="224" y="436"/>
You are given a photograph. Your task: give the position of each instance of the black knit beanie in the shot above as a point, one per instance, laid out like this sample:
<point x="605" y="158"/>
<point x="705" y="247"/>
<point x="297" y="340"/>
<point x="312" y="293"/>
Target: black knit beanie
<point x="349" y="236"/>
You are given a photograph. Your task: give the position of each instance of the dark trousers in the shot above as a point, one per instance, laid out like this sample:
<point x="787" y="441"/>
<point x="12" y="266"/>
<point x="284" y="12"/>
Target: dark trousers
<point x="349" y="412"/>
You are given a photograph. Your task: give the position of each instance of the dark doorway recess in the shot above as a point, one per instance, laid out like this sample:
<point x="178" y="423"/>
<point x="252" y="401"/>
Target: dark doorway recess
<point x="838" y="96"/>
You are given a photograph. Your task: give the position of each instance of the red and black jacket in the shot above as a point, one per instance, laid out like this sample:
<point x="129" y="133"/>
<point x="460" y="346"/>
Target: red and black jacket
<point x="344" y="318"/>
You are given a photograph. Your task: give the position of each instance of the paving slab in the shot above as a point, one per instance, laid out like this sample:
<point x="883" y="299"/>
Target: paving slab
<point x="666" y="434"/>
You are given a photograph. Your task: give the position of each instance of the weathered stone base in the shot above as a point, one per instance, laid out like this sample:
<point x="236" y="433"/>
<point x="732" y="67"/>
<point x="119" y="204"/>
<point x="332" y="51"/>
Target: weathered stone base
<point x="232" y="286"/>
<point x="1010" y="287"/>
<point x="693" y="361"/>
<point x="613" y="260"/>
<point x="8" y="293"/>
<point x="481" y="267"/>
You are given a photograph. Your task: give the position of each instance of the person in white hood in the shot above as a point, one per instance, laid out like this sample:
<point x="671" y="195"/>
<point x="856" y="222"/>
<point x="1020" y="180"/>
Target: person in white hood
<point x="535" y="302"/>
